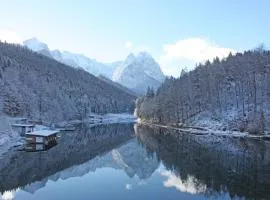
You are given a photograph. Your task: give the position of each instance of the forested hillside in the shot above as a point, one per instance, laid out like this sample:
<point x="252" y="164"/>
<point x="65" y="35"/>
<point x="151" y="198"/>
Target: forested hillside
<point x="117" y="85"/>
<point x="36" y="86"/>
<point x="234" y="91"/>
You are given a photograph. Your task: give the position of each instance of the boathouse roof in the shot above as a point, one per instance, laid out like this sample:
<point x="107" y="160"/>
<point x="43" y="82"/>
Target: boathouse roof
<point x="23" y="125"/>
<point x="44" y="133"/>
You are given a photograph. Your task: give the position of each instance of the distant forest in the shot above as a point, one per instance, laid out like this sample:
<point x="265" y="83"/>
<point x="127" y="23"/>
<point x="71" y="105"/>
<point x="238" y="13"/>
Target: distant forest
<point x="35" y="86"/>
<point x="239" y="83"/>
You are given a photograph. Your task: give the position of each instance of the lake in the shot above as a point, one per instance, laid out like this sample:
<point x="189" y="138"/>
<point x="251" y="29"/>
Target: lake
<point x="130" y="161"/>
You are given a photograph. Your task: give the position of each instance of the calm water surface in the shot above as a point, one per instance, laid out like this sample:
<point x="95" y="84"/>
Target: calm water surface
<point x="127" y="161"/>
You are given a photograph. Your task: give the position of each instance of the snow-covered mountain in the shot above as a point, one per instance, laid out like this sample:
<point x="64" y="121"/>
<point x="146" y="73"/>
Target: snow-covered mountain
<point x="139" y="72"/>
<point x="71" y="59"/>
<point x="136" y="72"/>
<point x="35" y="44"/>
<point x="80" y="60"/>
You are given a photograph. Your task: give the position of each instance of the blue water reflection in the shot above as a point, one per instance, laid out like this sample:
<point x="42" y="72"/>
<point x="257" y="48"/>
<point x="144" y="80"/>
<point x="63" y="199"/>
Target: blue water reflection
<point x="120" y="162"/>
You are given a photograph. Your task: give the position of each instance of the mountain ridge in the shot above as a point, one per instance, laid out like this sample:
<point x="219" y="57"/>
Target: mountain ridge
<point x="139" y="72"/>
<point x="36" y="86"/>
<point x="142" y="66"/>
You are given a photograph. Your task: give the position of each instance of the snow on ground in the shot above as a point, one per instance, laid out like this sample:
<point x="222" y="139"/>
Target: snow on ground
<point x="118" y="118"/>
<point x="8" y="138"/>
<point x="208" y="120"/>
<point x="109" y="118"/>
<point x="231" y="120"/>
<point x="206" y="131"/>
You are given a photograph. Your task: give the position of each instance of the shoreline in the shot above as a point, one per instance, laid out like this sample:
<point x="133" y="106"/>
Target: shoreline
<point x="207" y="131"/>
<point x="10" y="139"/>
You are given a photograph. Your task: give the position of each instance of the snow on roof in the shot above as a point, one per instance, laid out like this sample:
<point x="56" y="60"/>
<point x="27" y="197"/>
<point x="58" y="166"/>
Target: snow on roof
<point x="20" y="118"/>
<point x="23" y="125"/>
<point x="44" y="133"/>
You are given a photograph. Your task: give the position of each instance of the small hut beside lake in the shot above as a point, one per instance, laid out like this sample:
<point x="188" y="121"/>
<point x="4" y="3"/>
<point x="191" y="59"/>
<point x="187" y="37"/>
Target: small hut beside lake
<point x="42" y="137"/>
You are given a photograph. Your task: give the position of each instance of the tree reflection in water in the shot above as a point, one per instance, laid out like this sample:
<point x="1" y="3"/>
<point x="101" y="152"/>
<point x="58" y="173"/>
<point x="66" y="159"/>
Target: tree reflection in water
<point x="19" y="169"/>
<point x="210" y="164"/>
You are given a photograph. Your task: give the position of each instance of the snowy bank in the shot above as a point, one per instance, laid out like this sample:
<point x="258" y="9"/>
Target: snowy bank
<point x="205" y="131"/>
<point x="233" y="120"/>
<point x="110" y="118"/>
<point x="8" y="138"/>
<point x="119" y="118"/>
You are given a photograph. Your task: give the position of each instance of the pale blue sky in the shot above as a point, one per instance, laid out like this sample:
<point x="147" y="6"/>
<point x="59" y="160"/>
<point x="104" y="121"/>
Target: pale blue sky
<point x="108" y="30"/>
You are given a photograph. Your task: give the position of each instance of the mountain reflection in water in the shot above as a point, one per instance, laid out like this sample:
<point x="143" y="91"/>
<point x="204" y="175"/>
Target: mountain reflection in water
<point x="135" y="161"/>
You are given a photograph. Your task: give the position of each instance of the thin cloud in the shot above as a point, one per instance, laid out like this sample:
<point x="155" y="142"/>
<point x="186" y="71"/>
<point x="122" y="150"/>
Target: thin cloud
<point x="129" y="45"/>
<point x="128" y="187"/>
<point x="136" y="48"/>
<point x="141" y="48"/>
<point x="10" y="37"/>
<point x="195" y="49"/>
<point x="188" y="52"/>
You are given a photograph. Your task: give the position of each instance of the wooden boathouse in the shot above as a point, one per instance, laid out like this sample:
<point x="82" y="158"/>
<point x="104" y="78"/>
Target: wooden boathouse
<point x="41" y="137"/>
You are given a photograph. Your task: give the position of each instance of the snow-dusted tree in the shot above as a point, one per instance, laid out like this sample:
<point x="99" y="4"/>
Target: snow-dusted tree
<point x="83" y="107"/>
<point x="239" y="83"/>
<point x="27" y="75"/>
